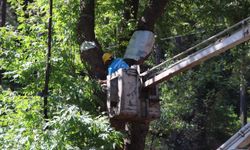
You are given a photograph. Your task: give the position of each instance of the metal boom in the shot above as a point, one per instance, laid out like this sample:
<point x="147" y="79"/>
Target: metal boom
<point x="216" y="48"/>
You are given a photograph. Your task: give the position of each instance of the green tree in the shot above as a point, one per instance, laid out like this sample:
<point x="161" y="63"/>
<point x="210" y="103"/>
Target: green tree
<point x="74" y="119"/>
<point x="200" y="108"/>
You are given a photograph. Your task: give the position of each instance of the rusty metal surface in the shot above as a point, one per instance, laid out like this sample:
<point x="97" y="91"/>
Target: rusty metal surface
<point x="124" y="100"/>
<point x="239" y="141"/>
<point x="214" y="49"/>
<point x="123" y="93"/>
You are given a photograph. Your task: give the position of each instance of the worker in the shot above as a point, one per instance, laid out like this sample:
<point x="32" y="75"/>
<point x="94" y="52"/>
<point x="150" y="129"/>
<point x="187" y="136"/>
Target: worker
<point x="113" y="64"/>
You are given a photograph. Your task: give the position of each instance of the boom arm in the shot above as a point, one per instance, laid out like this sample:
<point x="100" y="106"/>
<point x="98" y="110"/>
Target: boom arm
<point x="237" y="37"/>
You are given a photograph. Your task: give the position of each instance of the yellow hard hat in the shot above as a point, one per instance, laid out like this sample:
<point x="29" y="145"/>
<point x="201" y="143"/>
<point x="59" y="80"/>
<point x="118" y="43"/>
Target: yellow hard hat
<point x="106" y="57"/>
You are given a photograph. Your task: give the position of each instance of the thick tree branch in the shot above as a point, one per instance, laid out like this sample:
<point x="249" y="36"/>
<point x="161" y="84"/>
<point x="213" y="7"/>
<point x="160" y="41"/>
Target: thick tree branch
<point x="2" y="24"/>
<point x="3" y="16"/>
<point x="153" y="11"/>
<point x="87" y="21"/>
<point x="138" y="131"/>
<point x="92" y="55"/>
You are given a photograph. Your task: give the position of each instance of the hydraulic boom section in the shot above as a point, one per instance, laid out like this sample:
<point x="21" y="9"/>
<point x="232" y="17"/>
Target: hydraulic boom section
<point x="236" y="35"/>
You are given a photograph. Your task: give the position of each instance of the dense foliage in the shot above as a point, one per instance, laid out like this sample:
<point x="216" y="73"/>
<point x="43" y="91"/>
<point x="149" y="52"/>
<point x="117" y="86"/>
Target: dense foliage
<point x="75" y="121"/>
<point x="200" y="108"/>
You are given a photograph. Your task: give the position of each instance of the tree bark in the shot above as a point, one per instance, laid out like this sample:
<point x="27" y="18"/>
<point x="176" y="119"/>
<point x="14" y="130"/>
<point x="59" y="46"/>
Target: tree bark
<point x="3" y="16"/>
<point x="139" y="131"/>
<point x="153" y="11"/>
<point x="86" y="25"/>
<point x="3" y="20"/>
<point x="93" y="56"/>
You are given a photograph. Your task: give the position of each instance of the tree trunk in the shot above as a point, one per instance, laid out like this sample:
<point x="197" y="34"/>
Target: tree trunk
<point x="3" y="20"/>
<point x="3" y="16"/>
<point x="93" y="55"/>
<point x="137" y="133"/>
<point x="153" y="11"/>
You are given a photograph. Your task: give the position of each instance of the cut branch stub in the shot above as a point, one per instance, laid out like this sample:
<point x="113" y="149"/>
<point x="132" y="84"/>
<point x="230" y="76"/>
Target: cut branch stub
<point x="91" y="53"/>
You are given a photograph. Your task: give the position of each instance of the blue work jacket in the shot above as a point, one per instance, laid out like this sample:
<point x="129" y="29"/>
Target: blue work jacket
<point x="116" y="65"/>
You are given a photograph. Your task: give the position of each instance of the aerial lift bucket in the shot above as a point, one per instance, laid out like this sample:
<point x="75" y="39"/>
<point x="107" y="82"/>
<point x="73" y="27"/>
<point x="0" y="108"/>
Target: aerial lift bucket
<point x="126" y="100"/>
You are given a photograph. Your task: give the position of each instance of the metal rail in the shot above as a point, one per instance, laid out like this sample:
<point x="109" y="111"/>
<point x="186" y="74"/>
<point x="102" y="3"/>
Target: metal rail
<point x="237" y="37"/>
<point x="240" y="140"/>
<point x="239" y="24"/>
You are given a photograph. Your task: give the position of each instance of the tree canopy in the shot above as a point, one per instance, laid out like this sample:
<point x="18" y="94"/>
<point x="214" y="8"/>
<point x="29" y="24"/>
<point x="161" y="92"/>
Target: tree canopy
<point x="200" y="107"/>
